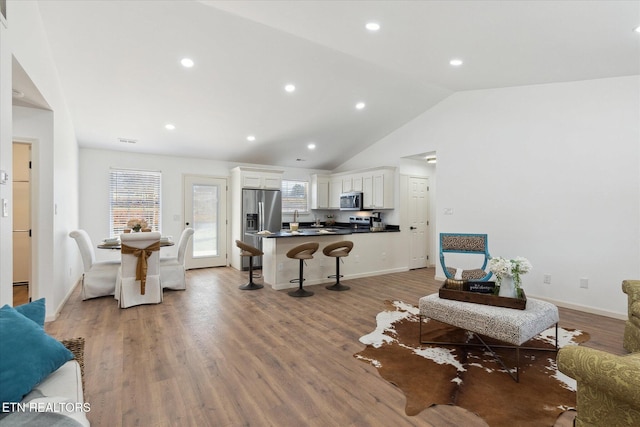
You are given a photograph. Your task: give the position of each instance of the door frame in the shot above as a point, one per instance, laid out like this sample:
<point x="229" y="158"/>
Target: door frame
<point x="223" y="257"/>
<point x="405" y="195"/>
<point x="33" y="209"/>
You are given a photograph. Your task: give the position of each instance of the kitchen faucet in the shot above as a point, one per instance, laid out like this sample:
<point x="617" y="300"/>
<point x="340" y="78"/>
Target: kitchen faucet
<point x="295" y="215"/>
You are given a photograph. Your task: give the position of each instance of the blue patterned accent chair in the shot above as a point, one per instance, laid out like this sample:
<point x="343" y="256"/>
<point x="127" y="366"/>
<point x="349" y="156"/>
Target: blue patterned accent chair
<point x="464" y="243"/>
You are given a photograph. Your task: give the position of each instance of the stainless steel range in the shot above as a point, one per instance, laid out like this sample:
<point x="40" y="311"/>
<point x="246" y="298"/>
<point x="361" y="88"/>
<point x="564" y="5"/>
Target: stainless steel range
<point x="372" y="222"/>
<point x="360" y="222"/>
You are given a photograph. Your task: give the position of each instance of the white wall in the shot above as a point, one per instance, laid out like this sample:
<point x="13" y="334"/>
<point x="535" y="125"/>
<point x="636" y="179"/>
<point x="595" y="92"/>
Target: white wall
<point x="26" y="41"/>
<point x="35" y="126"/>
<point x="94" y="187"/>
<point x="550" y="172"/>
<point x="6" y="191"/>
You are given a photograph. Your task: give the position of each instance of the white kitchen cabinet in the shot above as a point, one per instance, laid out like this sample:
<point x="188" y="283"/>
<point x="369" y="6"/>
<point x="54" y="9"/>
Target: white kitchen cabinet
<point x="260" y="178"/>
<point x="351" y="183"/>
<point x="377" y="188"/>
<point x="320" y="191"/>
<point x="335" y="190"/>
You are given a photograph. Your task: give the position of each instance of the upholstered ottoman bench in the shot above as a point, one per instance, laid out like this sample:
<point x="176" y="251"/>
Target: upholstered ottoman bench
<point x="511" y="326"/>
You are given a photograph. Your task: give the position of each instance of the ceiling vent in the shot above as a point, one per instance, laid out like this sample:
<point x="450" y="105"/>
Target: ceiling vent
<point x="128" y="140"/>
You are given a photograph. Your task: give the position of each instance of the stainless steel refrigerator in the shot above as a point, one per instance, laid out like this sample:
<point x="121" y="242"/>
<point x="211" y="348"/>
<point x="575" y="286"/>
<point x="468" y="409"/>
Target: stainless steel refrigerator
<point x="261" y="210"/>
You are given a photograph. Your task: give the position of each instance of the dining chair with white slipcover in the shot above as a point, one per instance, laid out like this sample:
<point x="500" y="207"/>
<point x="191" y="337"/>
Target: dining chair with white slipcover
<point x="172" y="274"/>
<point x="139" y="276"/>
<point x="99" y="278"/>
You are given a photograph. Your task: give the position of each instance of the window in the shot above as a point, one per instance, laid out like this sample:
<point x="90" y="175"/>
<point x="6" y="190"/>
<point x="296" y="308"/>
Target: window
<point x="295" y="196"/>
<point x="133" y="194"/>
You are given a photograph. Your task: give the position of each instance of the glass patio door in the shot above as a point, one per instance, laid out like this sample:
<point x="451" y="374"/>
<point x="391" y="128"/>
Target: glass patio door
<point x="205" y="205"/>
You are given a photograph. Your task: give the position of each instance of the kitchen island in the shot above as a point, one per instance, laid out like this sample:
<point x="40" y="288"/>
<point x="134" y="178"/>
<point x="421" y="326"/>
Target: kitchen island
<point x="371" y="255"/>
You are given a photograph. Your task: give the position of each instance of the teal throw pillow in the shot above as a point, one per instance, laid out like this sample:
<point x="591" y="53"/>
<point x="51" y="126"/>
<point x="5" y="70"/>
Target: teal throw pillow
<point x="34" y="310"/>
<point x="27" y="355"/>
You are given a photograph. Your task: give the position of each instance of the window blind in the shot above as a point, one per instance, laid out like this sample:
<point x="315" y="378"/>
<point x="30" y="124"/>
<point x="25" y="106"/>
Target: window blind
<point x="295" y="196"/>
<point x="133" y="194"/>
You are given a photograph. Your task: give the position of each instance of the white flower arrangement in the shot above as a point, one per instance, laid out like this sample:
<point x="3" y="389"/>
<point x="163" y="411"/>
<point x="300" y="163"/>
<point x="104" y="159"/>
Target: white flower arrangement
<point x="502" y="267"/>
<point x="137" y="224"/>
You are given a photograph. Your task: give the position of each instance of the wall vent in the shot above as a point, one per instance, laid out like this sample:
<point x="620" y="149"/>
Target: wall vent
<point x="128" y="140"/>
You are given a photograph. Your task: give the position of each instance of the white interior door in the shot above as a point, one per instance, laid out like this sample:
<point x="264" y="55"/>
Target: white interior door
<point x="419" y="221"/>
<point x="205" y="205"/>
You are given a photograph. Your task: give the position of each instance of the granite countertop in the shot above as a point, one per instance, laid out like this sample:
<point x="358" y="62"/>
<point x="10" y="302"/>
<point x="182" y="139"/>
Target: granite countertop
<point x="307" y="230"/>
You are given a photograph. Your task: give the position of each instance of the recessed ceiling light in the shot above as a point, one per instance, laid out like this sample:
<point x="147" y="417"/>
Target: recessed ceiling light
<point x="372" y="26"/>
<point x="170" y="126"/>
<point x="251" y="138"/>
<point x="456" y="62"/>
<point x="311" y="146"/>
<point x="187" y="62"/>
<point x="360" y="105"/>
<point x="290" y="88"/>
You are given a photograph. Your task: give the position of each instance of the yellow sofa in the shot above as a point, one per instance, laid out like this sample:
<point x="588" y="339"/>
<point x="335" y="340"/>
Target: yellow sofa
<point x="632" y="327"/>
<point x="608" y="391"/>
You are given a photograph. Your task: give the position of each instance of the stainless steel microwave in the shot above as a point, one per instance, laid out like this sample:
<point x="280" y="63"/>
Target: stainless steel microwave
<point x="351" y="201"/>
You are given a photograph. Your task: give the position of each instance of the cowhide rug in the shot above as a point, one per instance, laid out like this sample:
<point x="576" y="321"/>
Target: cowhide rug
<point x="469" y="377"/>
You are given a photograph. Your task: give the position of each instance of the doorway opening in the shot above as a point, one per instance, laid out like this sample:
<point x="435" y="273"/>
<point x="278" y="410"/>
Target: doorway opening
<point x="22" y="260"/>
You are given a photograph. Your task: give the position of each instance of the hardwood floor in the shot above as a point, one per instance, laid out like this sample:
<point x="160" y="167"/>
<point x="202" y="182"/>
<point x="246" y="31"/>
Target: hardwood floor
<point x="20" y="294"/>
<point x="214" y="355"/>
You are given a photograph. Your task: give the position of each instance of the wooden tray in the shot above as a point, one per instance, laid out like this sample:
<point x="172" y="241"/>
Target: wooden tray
<point x="487" y="299"/>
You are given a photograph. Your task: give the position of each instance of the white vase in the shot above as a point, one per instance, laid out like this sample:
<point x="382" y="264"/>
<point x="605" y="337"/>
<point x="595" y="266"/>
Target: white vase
<point x="508" y="288"/>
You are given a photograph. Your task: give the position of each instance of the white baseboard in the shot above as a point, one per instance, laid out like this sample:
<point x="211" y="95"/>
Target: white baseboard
<point x="584" y="308"/>
<point x="54" y="316"/>
<point x="324" y="281"/>
<point x="578" y="307"/>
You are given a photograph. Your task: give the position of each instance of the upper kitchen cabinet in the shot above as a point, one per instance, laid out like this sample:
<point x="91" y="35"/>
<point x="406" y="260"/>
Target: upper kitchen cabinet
<point x="352" y="183"/>
<point x="335" y="190"/>
<point x="377" y="188"/>
<point x="320" y="191"/>
<point x="259" y="178"/>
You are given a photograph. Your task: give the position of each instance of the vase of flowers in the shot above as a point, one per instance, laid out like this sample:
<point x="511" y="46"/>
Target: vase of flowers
<point x="508" y="272"/>
<point x="137" y="224"/>
<point x="330" y="220"/>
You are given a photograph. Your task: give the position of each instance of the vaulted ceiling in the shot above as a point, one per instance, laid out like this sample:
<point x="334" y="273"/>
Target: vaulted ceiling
<point x="120" y="71"/>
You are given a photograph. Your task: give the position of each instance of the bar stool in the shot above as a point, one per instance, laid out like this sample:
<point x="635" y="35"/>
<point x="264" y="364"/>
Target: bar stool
<point x="250" y="251"/>
<point x="338" y="250"/>
<point x="302" y="252"/>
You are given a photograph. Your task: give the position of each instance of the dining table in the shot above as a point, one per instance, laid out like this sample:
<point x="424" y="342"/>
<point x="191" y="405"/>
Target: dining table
<point x="116" y="244"/>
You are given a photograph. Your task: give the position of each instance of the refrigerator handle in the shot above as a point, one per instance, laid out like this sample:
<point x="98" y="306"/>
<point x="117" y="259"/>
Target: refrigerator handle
<point x="260" y="216"/>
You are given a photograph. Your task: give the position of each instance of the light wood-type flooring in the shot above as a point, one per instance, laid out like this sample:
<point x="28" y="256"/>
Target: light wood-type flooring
<point x="214" y="355"/>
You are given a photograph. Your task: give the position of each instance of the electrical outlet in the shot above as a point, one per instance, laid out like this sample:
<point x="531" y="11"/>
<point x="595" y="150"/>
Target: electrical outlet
<point x="584" y="283"/>
<point x="547" y="279"/>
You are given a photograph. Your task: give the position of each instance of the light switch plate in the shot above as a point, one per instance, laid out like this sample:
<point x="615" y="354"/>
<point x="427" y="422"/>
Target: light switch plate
<point x="4" y="177"/>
